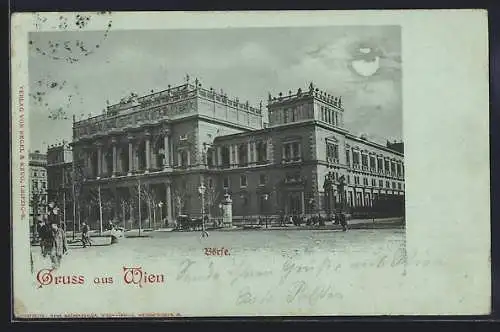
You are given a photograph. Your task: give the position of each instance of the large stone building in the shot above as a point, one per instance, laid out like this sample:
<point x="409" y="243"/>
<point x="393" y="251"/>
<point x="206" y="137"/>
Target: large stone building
<point x="161" y="147"/>
<point x="38" y="185"/>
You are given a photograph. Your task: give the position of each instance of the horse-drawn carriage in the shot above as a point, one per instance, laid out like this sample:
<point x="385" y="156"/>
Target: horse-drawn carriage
<point x="185" y="223"/>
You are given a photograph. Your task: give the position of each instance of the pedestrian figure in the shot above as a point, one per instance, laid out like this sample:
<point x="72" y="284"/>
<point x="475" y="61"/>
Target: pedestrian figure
<point x="59" y="247"/>
<point x="343" y="222"/>
<point x="46" y="238"/>
<point x="85" y="235"/>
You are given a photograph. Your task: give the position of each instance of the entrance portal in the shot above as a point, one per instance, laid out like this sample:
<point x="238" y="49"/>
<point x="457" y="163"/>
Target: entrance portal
<point x="294" y="205"/>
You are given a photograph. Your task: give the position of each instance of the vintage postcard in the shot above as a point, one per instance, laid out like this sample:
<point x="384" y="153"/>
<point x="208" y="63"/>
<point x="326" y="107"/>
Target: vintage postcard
<point x="204" y="164"/>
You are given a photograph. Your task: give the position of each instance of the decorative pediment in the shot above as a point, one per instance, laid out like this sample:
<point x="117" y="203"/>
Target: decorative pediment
<point x="332" y="139"/>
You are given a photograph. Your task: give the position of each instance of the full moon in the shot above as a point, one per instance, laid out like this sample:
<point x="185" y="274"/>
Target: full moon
<point x="367" y="63"/>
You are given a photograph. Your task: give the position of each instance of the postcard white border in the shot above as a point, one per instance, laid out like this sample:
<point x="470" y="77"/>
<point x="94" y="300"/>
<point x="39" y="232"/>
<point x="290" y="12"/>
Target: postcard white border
<point x="445" y="119"/>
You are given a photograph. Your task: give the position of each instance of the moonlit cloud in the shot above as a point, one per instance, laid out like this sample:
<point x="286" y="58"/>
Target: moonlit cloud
<point x="245" y="63"/>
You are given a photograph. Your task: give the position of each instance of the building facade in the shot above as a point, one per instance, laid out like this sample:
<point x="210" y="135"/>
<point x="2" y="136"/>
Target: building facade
<point x="38" y="185"/>
<point x="145" y="158"/>
<point x="59" y="180"/>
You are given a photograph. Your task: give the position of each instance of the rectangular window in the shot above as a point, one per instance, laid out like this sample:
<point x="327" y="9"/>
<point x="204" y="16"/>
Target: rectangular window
<point x="262" y="179"/>
<point x="242" y="155"/>
<point x="348" y="179"/>
<point x="355" y="158"/>
<point x="332" y="151"/>
<point x="348" y="158"/>
<point x="387" y="184"/>
<point x="364" y="160"/>
<point x="209" y="153"/>
<point x="399" y="186"/>
<point x="399" y="169"/>
<point x="243" y="180"/>
<point x="393" y="168"/>
<point x="387" y="166"/>
<point x="381" y="183"/>
<point x="183" y="158"/>
<point x="295" y="113"/>
<point x="372" y="162"/>
<point x="336" y="119"/>
<point x="225" y="156"/>
<point x="394" y="185"/>
<point x="380" y="165"/>
<point x="261" y="148"/>
<point x="226" y="182"/>
<point x="374" y="183"/>
<point x="291" y="151"/>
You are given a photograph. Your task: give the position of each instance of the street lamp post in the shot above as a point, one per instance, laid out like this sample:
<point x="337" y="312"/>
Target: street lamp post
<point x="266" y="197"/>
<point x="160" y="205"/>
<point x="221" y="212"/>
<point x="201" y="190"/>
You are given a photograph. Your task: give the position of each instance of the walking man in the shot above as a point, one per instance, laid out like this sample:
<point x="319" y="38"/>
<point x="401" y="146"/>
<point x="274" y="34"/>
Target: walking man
<point x="59" y="247"/>
<point x="85" y="235"/>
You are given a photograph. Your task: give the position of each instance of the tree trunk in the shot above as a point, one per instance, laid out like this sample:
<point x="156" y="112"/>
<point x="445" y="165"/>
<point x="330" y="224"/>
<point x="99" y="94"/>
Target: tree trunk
<point x="123" y="215"/>
<point x="154" y="215"/>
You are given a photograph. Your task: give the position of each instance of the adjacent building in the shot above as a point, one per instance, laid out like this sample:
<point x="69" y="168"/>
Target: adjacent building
<point x="38" y="185"/>
<point x="59" y="179"/>
<point x="146" y="157"/>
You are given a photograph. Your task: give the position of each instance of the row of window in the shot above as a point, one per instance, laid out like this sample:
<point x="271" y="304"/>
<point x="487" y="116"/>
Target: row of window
<point x="388" y="184"/>
<point x="244" y="181"/>
<point x="43" y="184"/>
<point x="40" y="173"/>
<point x="291" y="114"/>
<point x="331" y="116"/>
<point x="375" y="163"/>
<point x="236" y="155"/>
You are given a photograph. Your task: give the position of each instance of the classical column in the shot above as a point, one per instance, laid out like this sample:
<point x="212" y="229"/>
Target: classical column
<point x="171" y="153"/>
<point x="231" y="159"/>
<point x="168" y="201"/>
<point x="114" y="157"/>
<point x="154" y="157"/>
<point x="130" y="155"/>
<point x="167" y="152"/>
<point x="219" y="155"/>
<point x="119" y="162"/>
<point x="269" y="151"/>
<point x="249" y="153"/>
<point x="136" y="156"/>
<point x="99" y="159"/>
<point x="236" y="154"/>
<point x="254" y="152"/>
<point x="104" y="166"/>
<point x="302" y="202"/>
<point x="213" y="157"/>
<point x="148" y="151"/>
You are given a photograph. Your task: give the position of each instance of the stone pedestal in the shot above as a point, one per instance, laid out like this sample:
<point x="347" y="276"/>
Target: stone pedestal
<point x="227" y="209"/>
